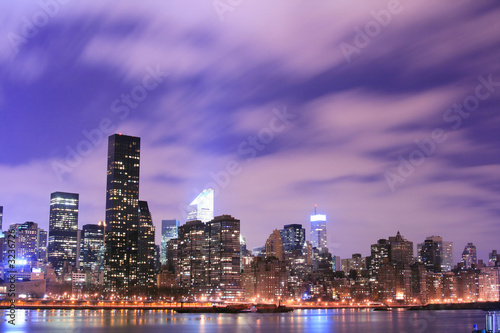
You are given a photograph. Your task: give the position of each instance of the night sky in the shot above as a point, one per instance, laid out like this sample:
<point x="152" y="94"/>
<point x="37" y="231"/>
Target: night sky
<point x="384" y="113"/>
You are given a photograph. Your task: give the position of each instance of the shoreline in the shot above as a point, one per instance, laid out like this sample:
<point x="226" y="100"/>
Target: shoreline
<point x="485" y="306"/>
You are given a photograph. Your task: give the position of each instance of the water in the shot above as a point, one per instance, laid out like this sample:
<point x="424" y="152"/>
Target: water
<point x="157" y="321"/>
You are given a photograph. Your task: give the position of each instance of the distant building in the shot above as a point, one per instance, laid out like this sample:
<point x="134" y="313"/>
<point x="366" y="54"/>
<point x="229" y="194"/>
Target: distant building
<point x="430" y="255"/>
<point x="274" y="246"/>
<point x="469" y="256"/>
<point x="1" y="218"/>
<point x="169" y="230"/>
<point x="401" y="250"/>
<point x="293" y="237"/>
<point x="63" y="228"/>
<point x="356" y="263"/>
<point x="146" y="243"/>
<point x="493" y="258"/>
<point x="28" y="240"/>
<point x="202" y="208"/>
<point x="380" y="254"/>
<point x="318" y="231"/>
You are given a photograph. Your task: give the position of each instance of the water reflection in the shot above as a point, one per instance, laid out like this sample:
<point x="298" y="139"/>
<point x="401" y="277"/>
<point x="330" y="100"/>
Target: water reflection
<point x="317" y="320"/>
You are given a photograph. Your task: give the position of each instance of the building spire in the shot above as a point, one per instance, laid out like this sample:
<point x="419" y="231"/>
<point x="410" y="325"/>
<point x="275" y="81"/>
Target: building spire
<point x="315" y="206"/>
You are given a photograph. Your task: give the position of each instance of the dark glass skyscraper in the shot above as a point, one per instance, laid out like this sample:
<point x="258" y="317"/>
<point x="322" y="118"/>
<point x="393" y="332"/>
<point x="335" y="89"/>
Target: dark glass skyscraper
<point x="92" y="243"/>
<point x="122" y="213"/>
<point x="293" y="237"/>
<point x="63" y="226"/>
<point x="169" y="230"/>
<point x="146" y="255"/>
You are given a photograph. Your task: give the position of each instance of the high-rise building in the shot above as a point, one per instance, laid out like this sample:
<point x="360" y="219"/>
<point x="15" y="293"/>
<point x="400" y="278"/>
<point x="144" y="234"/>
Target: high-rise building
<point x="1" y="218"/>
<point x="92" y="244"/>
<point x="274" y="246"/>
<point x="63" y="226"/>
<point x="430" y="254"/>
<point x="439" y="248"/>
<point x="224" y="257"/>
<point x="293" y="237"/>
<point x="318" y="231"/>
<point x="146" y="255"/>
<point x="493" y="258"/>
<point x="202" y="208"/>
<point x="469" y="256"/>
<point x="380" y="254"/>
<point x="41" y="253"/>
<point x="192" y="260"/>
<point x="169" y="230"/>
<point x="401" y="250"/>
<point x="122" y="213"/>
<point x="26" y="241"/>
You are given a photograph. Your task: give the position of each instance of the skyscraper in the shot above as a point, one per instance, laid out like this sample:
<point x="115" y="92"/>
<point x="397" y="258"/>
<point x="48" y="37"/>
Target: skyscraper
<point x="380" y="254"/>
<point x="318" y="231"/>
<point x="224" y="257"/>
<point x="202" y="208"/>
<point x="293" y="237"/>
<point x="401" y="250"/>
<point x="442" y="249"/>
<point x="63" y="226"/>
<point x="430" y="254"/>
<point x="169" y="230"/>
<point x="93" y="241"/>
<point x="146" y="255"/>
<point x="27" y="240"/>
<point x="274" y="246"/>
<point x="469" y="256"/>
<point x="122" y="213"/>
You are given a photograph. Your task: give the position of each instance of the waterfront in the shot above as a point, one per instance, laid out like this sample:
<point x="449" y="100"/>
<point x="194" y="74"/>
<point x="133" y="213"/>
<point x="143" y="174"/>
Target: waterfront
<point x="317" y="320"/>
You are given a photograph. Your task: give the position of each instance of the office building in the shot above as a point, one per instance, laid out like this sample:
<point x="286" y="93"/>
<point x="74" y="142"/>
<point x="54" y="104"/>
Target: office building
<point x="293" y="237"/>
<point x="147" y="248"/>
<point x="380" y="254"/>
<point x="122" y="213"/>
<point x="27" y="241"/>
<point x="202" y="208"/>
<point x="224" y="257"/>
<point x="430" y="254"/>
<point x="92" y="245"/>
<point x="169" y="230"/>
<point x="42" y="245"/>
<point x="274" y="246"/>
<point x="63" y="226"/>
<point x="401" y="250"/>
<point x="469" y="256"/>
<point x="318" y="231"/>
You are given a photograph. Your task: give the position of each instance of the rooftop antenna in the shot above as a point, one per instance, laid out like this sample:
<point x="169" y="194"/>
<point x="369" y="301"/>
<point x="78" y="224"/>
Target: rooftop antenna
<point x="315" y="206"/>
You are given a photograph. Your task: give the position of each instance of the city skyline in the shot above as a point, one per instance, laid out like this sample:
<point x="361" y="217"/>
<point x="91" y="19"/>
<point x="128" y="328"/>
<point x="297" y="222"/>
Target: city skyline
<point x="392" y="130"/>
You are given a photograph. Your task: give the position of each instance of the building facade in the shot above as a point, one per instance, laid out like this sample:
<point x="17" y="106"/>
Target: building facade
<point x="122" y="213"/>
<point x="202" y="208"/>
<point x="169" y="230"/>
<point x="63" y="229"/>
<point x="318" y="231"/>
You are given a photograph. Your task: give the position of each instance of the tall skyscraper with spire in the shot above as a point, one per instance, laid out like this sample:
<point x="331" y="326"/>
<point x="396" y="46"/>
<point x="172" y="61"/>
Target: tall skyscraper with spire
<point x="318" y="231"/>
<point x="122" y="213"/>
<point x="202" y="208"/>
<point x="63" y="228"/>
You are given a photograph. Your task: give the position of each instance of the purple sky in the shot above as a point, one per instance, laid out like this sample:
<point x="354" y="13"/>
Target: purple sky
<point x="351" y="107"/>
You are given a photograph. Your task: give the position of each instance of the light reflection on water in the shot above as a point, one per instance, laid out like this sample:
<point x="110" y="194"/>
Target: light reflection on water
<point x="322" y="320"/>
